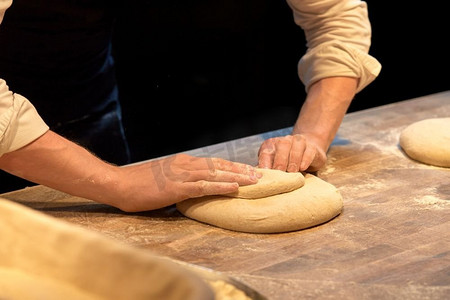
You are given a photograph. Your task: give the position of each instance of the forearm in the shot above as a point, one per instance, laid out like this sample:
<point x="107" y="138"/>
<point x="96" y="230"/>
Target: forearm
<point x="61" y="164"/>
<point x="324" y="109"/>
<point x="58" y="163"/>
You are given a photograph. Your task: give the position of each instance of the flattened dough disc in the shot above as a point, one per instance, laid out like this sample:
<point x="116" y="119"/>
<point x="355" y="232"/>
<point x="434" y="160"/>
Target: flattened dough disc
<point x="428" y="141"/>
<point x="313" y="204"/>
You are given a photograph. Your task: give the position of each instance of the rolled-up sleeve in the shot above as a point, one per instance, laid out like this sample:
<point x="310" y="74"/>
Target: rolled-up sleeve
<point x="20" y="123"/>
<point x="4" y="4"/>
<point x="338" y="36"/>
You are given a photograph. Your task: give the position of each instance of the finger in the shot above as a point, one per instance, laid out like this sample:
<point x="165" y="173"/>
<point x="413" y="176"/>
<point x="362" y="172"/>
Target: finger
<point x="207" y="188"/>
<point x="211" y="164"/>
<point x="266" y="154"/>
<point x="234" y="167"/>
<point x="283" y="148"/>
<point x="296" y="154"/>
<point x="308" y="157"/>
<point x="222" y="176"/>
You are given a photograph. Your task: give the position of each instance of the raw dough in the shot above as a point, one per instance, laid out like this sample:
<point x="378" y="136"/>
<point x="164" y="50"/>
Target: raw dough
<point x="272" y="182"/>
<point x="45" y="258"/>
<point x="226" y="291"/>
<point x="313" y="204"/>
<point x="428" y="141"/>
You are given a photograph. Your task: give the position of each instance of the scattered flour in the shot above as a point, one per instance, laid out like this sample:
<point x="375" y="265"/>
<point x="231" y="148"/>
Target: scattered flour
<point x="388" y="141"/>
<point x="329" y="168"/>
<point x="432" y="202"/>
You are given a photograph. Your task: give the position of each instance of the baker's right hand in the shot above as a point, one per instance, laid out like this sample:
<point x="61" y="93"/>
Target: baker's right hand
<point x="291" y="153"/>
<point x="163" y="182"/>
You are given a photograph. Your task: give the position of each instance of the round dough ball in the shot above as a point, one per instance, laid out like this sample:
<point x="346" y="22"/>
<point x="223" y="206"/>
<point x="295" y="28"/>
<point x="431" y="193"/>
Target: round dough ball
<point x="313" y="204"/>
<point x="428" y="141"/>
<point x="272" y="182"/>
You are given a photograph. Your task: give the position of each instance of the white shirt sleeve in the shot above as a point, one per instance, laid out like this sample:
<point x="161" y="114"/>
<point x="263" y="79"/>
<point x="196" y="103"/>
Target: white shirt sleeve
<point x="20" y="124"/>
<point x="338" y="35"/>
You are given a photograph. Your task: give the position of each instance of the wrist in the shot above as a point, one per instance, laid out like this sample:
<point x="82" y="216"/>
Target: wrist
<point x="324" y="109"/>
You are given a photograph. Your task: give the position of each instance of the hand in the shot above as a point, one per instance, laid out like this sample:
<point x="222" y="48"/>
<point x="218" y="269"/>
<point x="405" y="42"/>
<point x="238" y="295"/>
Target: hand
<point x="58" y="163"/>
<point x="312" y="134"/>
<point x="291" y="153"/>
<point x="166" y="181"/>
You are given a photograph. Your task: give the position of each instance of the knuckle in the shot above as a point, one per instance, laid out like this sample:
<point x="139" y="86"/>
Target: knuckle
<point x="201" y="188"/>
<point x="212" y="172"/>
<point x="299" y="138"/>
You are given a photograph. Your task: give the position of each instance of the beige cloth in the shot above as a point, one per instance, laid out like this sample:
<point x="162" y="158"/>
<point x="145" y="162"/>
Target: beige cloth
<point x="20" y="123"/>
<point x="4" y="4"/>
<point x="338" y="35"/>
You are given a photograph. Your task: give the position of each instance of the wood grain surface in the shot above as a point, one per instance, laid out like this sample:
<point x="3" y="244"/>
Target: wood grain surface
<point x="392" y="240"/>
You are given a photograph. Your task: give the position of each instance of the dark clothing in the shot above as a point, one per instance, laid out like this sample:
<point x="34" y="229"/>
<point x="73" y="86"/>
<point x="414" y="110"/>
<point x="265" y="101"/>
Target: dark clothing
<point x="58" y="54"/>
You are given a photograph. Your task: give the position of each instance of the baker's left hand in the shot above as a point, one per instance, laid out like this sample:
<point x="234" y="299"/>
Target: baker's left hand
<point x="291" y="153"/>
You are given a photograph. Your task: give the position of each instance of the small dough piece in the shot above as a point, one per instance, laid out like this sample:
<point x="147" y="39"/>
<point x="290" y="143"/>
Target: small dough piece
<point x="313" y="204"/>
<point x="272" y="182"/>
<point x="428" y="141"/>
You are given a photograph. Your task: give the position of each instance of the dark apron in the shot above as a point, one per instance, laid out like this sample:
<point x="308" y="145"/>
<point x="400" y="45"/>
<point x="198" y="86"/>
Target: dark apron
<point x="58" y="54"/>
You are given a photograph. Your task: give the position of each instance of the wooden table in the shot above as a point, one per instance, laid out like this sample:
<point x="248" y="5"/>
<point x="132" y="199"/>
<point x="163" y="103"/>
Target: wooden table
<point x="392" y="240"/>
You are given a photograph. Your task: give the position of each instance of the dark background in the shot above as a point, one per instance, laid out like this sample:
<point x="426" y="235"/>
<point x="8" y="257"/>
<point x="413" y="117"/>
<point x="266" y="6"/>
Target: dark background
<point x="195" y="73"/>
